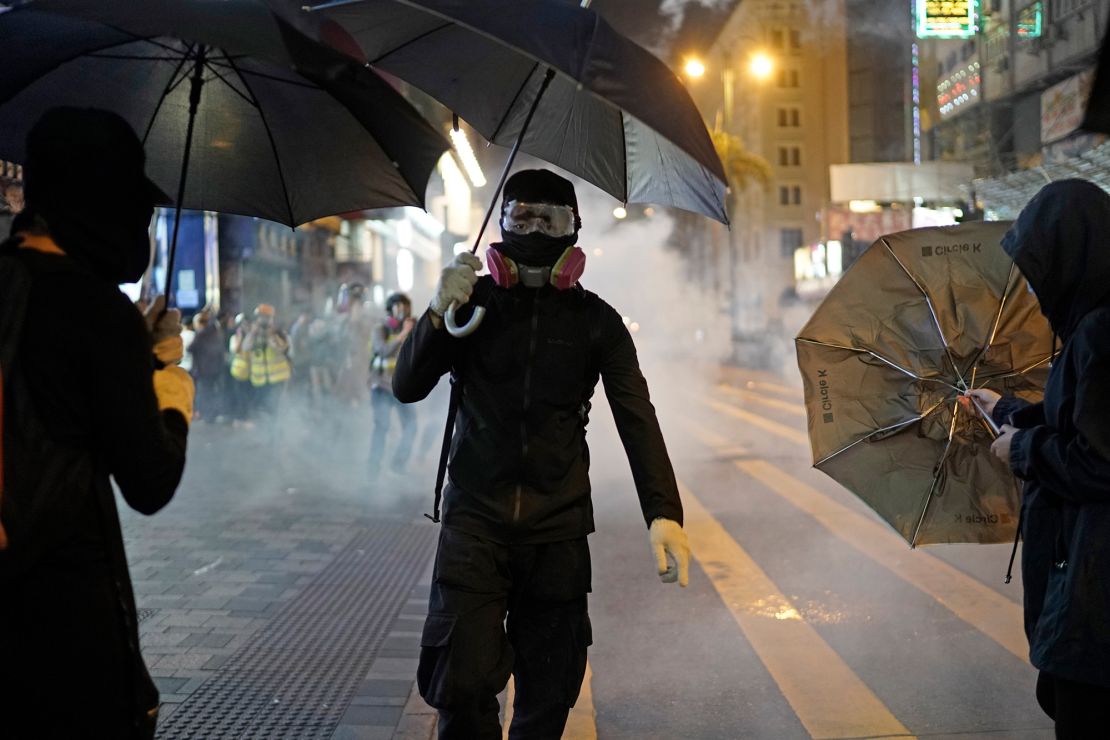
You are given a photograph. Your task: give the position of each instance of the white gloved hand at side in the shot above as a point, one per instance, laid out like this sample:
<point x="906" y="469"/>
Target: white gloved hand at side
<point x="456" y="282"/>
<point x="672" y="551"/>
<point x="174" y="389"/>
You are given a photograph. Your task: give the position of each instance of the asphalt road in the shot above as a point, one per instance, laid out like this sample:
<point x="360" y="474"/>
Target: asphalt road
<point x="805" y="616"/>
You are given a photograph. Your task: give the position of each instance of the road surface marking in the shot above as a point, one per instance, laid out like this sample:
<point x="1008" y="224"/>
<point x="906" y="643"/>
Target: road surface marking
<point x="774" y="427"/>
<point x="790" y="407"/>
<point x="980" y="606"/>
<point x="830" y="700"/>
<point x="785" y="390"/>
<point x="582" y="722"/>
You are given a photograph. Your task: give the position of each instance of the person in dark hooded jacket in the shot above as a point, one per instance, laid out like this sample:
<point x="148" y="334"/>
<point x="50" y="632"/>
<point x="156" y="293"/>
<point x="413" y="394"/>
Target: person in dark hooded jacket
<point x="1060" y="448"/>
<point x="82" y="401"/>
<point x="517" y="507"/>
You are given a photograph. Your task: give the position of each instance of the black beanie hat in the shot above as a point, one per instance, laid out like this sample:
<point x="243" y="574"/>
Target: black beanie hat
<point x="68" y="145"/>
<point x="540" y="186"/>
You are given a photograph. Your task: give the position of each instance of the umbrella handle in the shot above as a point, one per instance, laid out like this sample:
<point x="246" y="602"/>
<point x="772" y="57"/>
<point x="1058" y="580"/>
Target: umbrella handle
<point x="458" y="332"/>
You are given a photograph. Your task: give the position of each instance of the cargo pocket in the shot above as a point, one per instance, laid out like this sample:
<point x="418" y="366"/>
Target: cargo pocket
<point x="582" y="636"/>
<point x="435" y="646"/>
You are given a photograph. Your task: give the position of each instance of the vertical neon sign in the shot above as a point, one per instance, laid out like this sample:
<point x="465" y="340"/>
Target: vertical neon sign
<point x="916" y="80"/>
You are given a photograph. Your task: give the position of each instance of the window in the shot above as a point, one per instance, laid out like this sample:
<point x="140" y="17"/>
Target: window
<point x="796" y="192"/>
<point x="788" y="77"/>
<point x="795" y="117"/>
<point x="790" y="156"/>
<point x="795" y="39"/>
<point x="790" y="240"/>
<point x="784" y="195"/>
<point x="789" y="117"/>
<point x="784" y="157"/>
<point x="778" y="39"/>
<point x="796" y="156"/>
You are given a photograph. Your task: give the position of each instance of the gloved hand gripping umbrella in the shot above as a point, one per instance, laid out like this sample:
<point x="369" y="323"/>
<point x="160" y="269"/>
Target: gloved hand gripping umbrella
<point x="920" y="319"/>
<point x="553" y="80"/>
<point x="239" y="109"/>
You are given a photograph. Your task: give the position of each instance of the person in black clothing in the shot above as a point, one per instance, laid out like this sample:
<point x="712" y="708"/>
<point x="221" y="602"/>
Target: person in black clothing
<point x="209" y="351"/>
<point x="517" y="506"/>
<point x="386" y="340"/>
<point x="82" y="402"/>
<point x="1061" y="450"/>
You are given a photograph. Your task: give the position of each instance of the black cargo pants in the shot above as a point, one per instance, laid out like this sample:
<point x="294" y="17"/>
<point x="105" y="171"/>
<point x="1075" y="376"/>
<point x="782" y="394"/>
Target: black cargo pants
<point x="469" y="649"/>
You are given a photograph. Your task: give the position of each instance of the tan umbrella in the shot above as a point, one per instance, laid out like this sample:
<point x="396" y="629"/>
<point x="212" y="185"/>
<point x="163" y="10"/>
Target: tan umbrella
<point x="921" y="317"/>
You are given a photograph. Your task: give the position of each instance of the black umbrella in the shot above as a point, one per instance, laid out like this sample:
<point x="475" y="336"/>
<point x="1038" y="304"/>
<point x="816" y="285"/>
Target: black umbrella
<point x="239" y="110"/>
<point x="551" y="79"/>
<point x="614" y="114"/>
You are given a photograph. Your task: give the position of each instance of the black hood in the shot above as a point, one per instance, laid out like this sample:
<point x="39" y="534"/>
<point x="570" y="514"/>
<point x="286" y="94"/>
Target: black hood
<point x="1061" y="243"/>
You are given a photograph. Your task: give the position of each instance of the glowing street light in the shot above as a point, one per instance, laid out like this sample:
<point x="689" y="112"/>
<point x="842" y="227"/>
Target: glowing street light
<point x="619" y="212"/>
<point x="762" y="65"/>
<point x="694" y="68"/>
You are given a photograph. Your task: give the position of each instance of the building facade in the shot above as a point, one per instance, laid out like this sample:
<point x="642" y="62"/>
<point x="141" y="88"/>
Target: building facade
<point x="793" y="112"/>
<point x="1011" y="95"/>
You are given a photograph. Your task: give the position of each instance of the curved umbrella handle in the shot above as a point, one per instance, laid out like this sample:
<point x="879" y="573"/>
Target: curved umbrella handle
<point x="467" y="329"/>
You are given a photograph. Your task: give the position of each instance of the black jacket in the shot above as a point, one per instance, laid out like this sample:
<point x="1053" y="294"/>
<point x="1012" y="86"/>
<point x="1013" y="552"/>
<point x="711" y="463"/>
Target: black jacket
<point x="84" y="366"/>
<point x="1061" y="243"/>
<point x="519" y="462"/>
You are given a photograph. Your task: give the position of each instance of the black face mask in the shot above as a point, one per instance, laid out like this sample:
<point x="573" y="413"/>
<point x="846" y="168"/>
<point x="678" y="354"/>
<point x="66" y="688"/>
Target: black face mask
<point x="114" y="244"/>
<point x="535" y="249"/>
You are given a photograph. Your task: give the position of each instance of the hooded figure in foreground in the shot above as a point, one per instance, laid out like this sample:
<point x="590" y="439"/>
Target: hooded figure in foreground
<point x="517" y="505"/>
<point x="82" y="401"/>
<point x="1061" y="449"/>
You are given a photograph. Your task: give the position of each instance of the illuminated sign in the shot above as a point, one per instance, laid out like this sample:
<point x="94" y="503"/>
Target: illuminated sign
<point x="1029" y="20"/>
<point x="960" y="90"/>
<point x="947" y="19"/>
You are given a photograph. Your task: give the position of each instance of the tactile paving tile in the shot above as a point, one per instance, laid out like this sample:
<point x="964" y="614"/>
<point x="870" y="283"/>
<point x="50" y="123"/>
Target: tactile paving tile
<point x="295" y="677"/>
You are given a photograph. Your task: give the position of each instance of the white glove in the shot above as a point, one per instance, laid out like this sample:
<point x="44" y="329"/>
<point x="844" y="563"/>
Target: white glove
<point x="456" y="282"/>
<point x="672" y="551"/>
<point x="174" y="389"/>
<point x="165" y="331"/>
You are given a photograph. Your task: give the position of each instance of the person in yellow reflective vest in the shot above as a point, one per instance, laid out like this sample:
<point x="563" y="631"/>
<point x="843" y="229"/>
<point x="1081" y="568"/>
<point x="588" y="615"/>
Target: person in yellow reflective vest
<point x="268" y="350"/>
<point x="242" y="393"/>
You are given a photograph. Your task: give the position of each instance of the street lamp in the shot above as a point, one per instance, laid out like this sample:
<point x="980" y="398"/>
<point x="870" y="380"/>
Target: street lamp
<point x="694" y="68"/>
<point x="761" y="65"/>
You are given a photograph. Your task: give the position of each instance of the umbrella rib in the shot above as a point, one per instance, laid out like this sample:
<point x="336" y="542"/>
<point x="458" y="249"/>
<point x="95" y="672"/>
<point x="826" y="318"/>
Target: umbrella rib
<point x="134" y="57"/>
<point x="170" y="87"/>
<point x="410" y="42"/>
<point x="870" y="435"/>
<point x="936" y="475"/>
<point x="624" y="148"/>
<point x="1024" y="370"/>
<point x="509" y="108"/>
<point x="880" y="358"/>
<point x="270" y="136"/>
<point x="974" y="365"/>
<point x="932" y="312"/>
<point x="273" y="78"/>
<point x="232" y="87"/>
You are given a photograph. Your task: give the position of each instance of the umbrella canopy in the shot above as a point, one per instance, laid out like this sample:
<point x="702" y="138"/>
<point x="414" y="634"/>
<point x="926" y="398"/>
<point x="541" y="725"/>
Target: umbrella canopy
<point x="286" y="128"/>
<point x="614" y="114"/>
<point x="922" y="317"/>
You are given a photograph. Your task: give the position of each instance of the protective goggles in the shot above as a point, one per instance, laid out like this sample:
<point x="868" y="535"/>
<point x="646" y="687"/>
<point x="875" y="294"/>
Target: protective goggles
<point x="545" y="218"/>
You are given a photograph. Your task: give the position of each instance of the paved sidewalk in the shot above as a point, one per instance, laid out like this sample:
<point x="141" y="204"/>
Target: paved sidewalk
<point x="281" y="594"/>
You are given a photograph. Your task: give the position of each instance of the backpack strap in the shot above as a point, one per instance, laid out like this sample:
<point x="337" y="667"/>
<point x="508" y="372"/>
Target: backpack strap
<point x="445" y="448"/>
